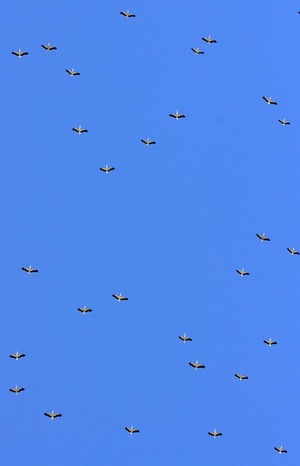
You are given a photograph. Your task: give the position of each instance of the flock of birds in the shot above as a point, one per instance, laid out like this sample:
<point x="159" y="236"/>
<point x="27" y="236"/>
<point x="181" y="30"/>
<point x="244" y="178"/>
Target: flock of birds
<point x="119" y="297"/>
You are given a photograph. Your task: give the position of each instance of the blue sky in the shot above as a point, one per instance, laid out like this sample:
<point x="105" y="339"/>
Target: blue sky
<point x="168" y="228"/>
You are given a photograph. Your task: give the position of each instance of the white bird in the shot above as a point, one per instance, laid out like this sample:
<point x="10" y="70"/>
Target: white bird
<point x="49" y="47"/>
<point x="52" y="415"/>
<point x="17" y="355"/>
<point x="119" y="297"/>
<point x="269" y="100"/>
<point x="80" y="130"/>
<point x="19" y="53"/>
<point x="215" y="434"/>
<point x="131" y="430"/>
<point x="29" y="269"/>
<point x="107" y="169"/>
<point x="72" y="72"/>
<point x="176" y="115"/>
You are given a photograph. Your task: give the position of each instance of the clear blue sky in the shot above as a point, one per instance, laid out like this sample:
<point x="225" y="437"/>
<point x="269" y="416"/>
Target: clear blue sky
<point x="167" y="228"/>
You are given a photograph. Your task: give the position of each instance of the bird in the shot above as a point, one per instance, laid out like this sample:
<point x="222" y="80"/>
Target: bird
<point x="84" y="309"/>
<point x="293" y="251"/>
<point x="209" y="40"/>
<point x="184" y="338"/>
<point x="280" y="450"/>
<point x="29" y="269"/>
<point x="16" y="390"/>
<point x="242" y="272"/>
<point x="131" y="430"/>
<point x="197" y="51"/>
<point x="80" y="130"/>
<point x="107" y="169"/>
<point x="263" y="237"/>
<point x="127" y="14"/>
<point x="119" y="297"/>
<point x="215" y="434"/>
<point x="241" y="377"/>
<point x="48" y="47"/>
<point x="72" y="72"/>
<point x="196" y="365"/>
<point x="284" y="122"/>
<point x="17" y="355"/>
<point x="148" y="141"/>
<point x="53" y="415"/>
<point x="270" y="342"/>
<point x="19" y="53"/>
<point x="176" y="115"/>
<point x="269" y="100"/>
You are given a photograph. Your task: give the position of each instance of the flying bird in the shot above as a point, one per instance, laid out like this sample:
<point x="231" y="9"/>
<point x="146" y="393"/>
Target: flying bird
<point x="215" y="434"/>
<point x="176" y="115"/>
<point x="107" y="169"/>
<point x="293" y="251"/>
<point x="148" y="141"/>
<point x="196" y="365"/>
<point x="242" y="272"/>
<point x="209" y="40"/>
<point x="17" y="355"/>
<point x="263" y="237"/>
<point x="80" y="130"/>
<point x="197" y="51"/>
<point x="127" y="14"/>
<point x="184" y="338"/>
<point x="49" y="47"/>
<point x="284" y="122"/>
<point x="29" y="269"/>
<point x="269" y="100"/>
<point x="72" y="72"/>
<point x="19" y="53"/>
<point x="84" y="309"/>
<point x="280" y="450"/>
<point x="16" y="390"/>
<point x="119" y="297"/>
<point x="270" y="342"/>
<point x="53" y="415"/>
<point x="241" y="377"/>
<point x="131" y="430"/>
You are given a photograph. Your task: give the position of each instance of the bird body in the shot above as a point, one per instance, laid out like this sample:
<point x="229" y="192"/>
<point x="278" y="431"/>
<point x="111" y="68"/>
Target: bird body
<point x="270" y="342"/>
<point x="148" y="141"/>
<point x="209" y="40"/>
<point x="16" y="390"/>
<point x="196" y="365"/>
<point x="184" y="338"/>
<point x="53" y="415"/>
<point x="19" y="53"/>
<point x="269" y="100"/>
<point x="284" y="122"/>
<point x="49" y="47"/>
<point x="84" y="309"/>
<point x="119" y="297"/>
<point x="131" y="430"/>
<point x="197" y="51"/>
<point x="242" y="272"/>
<point x="80" y="130"/>
<point x="280" y="450"/>
<point x="262" y="237"/>
<point x="107" y="169"/>
<point x="17" y="355"/>
<point x="241" y="377"/>
<point x="72" y="72"/>
<point x="176" y="115"/>
<point x="293" y="251"/>
<point x="215" y="434"/>
<point x="127" y="14"/>
<point x="29" y="269"/>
